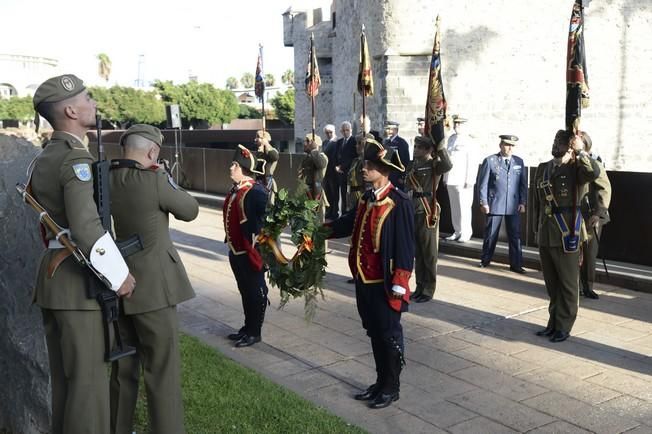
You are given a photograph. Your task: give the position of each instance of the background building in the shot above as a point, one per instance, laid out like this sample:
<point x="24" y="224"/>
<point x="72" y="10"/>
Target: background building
<point x="503" y="68"/>
<point x="20" y="75"/>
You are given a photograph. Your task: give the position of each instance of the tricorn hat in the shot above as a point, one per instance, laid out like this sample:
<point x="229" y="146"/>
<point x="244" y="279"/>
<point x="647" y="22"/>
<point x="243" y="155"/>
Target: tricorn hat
<point x="378" y="154"/>
<point x="247" y="160"/>
<point x="510" y="139"/>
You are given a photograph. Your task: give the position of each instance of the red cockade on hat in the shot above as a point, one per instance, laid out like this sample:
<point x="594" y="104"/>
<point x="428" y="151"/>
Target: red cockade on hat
<point x="245" y="153"/>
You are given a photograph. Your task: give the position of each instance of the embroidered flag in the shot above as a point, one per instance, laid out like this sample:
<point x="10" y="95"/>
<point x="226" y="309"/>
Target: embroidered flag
<point x="313" y="81"/>
<point x="577" y="83"/>
<point x="436" y="101"/>
<point x="365" y="76"/>
<point x="259" y="87"/>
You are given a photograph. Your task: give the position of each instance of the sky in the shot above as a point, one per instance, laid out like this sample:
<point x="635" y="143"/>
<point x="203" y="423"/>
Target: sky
<point x="170" y="39"/>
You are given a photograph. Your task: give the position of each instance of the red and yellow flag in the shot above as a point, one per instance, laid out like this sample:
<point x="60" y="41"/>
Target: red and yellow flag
<point x="436" y="101"/>
<point x="577" y="82"/>
<point x="313" y="81"/>
<point x="365" y="76"/>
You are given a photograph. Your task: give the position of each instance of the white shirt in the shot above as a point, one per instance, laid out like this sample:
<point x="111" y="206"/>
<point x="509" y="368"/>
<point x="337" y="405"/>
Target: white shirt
<point x="465" y="168"/>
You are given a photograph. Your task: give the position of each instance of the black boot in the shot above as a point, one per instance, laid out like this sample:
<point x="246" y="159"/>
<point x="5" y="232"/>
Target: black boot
<point x="393" y="364"/>
<point x="372" y="391"/>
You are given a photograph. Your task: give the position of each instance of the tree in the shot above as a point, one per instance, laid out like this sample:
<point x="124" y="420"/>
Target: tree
<point x="104" y="67"/>
<point x="288" y="78"/>
<point x="247" y="80"/>
<point x="17" y="108"/>
<point x="232" y="83"/>
<point x="248" y="112"/>
<point x="200" y="103"/>
<point x="124" y="106"/>
<point x="269" y="80"/>
<point x="283" y="104"/>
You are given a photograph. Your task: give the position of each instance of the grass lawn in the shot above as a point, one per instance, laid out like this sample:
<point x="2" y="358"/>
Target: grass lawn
<point x="220" y="396"/>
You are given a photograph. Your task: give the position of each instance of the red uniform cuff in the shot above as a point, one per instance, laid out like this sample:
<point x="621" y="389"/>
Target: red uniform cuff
<point x="402" y="278"/>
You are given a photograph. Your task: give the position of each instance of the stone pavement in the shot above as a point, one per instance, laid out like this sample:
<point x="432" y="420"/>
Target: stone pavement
<point x="474" y="364"/>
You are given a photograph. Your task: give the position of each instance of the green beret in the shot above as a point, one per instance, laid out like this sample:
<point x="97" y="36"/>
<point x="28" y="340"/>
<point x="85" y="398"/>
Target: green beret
<point x="149" y="132"/>
<point x="57" y="89"/>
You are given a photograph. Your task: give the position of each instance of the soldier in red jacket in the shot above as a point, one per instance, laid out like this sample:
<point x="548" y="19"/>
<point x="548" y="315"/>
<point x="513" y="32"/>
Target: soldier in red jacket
<point x="243" y="213"/>
<point x="381" y="260"/>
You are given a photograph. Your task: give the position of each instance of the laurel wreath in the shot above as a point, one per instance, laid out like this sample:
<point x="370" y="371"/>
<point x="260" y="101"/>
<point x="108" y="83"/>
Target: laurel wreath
<point x="302" y="274"/>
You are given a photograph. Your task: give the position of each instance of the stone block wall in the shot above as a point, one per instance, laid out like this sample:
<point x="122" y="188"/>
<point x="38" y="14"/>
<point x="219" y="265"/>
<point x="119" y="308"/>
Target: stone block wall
<point x="503" y="64"/>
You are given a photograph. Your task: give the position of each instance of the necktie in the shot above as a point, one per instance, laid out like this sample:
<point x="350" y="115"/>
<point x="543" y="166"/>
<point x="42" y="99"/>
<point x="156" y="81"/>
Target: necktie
<point x="507" y="163"/>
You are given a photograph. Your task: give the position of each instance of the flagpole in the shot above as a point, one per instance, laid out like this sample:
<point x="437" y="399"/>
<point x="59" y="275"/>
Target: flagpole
<point x="262" y="98"/>
<point x="364" y="90"/>
<point x="312" y="74"/>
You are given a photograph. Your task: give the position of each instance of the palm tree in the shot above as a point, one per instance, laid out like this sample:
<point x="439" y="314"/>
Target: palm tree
<point x="247" y="80"/>
<point x="104" y="67"/>
<point x="232" y="83"/>
<point x="288" y="77"/>
<point x="269" y="80"/>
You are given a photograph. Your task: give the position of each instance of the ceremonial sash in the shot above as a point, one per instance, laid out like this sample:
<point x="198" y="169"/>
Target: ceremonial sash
<point x="570" y="240"/>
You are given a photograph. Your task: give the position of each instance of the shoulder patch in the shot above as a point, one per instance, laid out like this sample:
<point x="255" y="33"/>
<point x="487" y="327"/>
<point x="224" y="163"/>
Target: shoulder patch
<point x="82" y="171"/>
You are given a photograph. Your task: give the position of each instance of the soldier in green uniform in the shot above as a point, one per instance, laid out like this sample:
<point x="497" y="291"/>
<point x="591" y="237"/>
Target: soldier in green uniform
<point x="62" y="182"/>
<point x="312" y="171"/>
<point x="143" y="195"/>
<point x="355" y="180"/>
<point x="269" y="154"/>
<point x="560" y="184"/>
<point x="595" y="210"/>
<point x="422" y="181"/>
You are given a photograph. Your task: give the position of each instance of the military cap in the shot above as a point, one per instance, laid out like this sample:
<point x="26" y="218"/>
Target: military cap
<point x="378" y="154"/>
<point x="391" y="124"/>
<point x="317" y="138"/>
<point x="57" y="89"/>
<point x="263" y="134"/>
<point x="246" y="159"/>
<point x="419" y="120"/>
<point x="457" y="119"/>
<point x="149" y="132"/>
<point x="509" y="139"/>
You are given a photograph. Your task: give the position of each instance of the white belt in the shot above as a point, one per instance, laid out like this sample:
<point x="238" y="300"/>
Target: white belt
<point x="55" y="244"/>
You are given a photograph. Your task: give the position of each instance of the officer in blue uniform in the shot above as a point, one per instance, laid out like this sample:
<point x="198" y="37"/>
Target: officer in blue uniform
<point x="502" y="187"/>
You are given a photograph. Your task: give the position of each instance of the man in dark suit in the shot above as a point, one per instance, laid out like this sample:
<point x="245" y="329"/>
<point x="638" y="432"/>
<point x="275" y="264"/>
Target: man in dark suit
<point x="346" y="153"/>
<point x="502" y="187"/>
<point x="397" y="143"/>
<point x="331" y="178"/>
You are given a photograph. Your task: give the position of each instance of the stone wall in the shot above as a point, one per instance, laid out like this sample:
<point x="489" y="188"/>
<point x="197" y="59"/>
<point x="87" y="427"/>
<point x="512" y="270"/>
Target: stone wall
<point x="503" y="68"/>
<point x="24" y="383"/>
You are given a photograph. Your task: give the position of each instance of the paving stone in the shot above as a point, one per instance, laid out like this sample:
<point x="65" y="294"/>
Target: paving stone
<point x="559" y="427"/>
<point x="581" y="414"/>
<point x="515" y="389"/>
<point x="427" y="407"/>
<point x="495" y="360"/>
<point x="628" y="406"/>
<point x="447" y="343"/>
<point x="625" y="384"/>
<point x="512" y="414"/>
<point x="499" y="344"/>
<point x="435" y="359"/>
<point x="480" y="425"/>
<point x="312" y="379"/>
<point x="570" y="386"/>
<point x="438" y="385"/>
